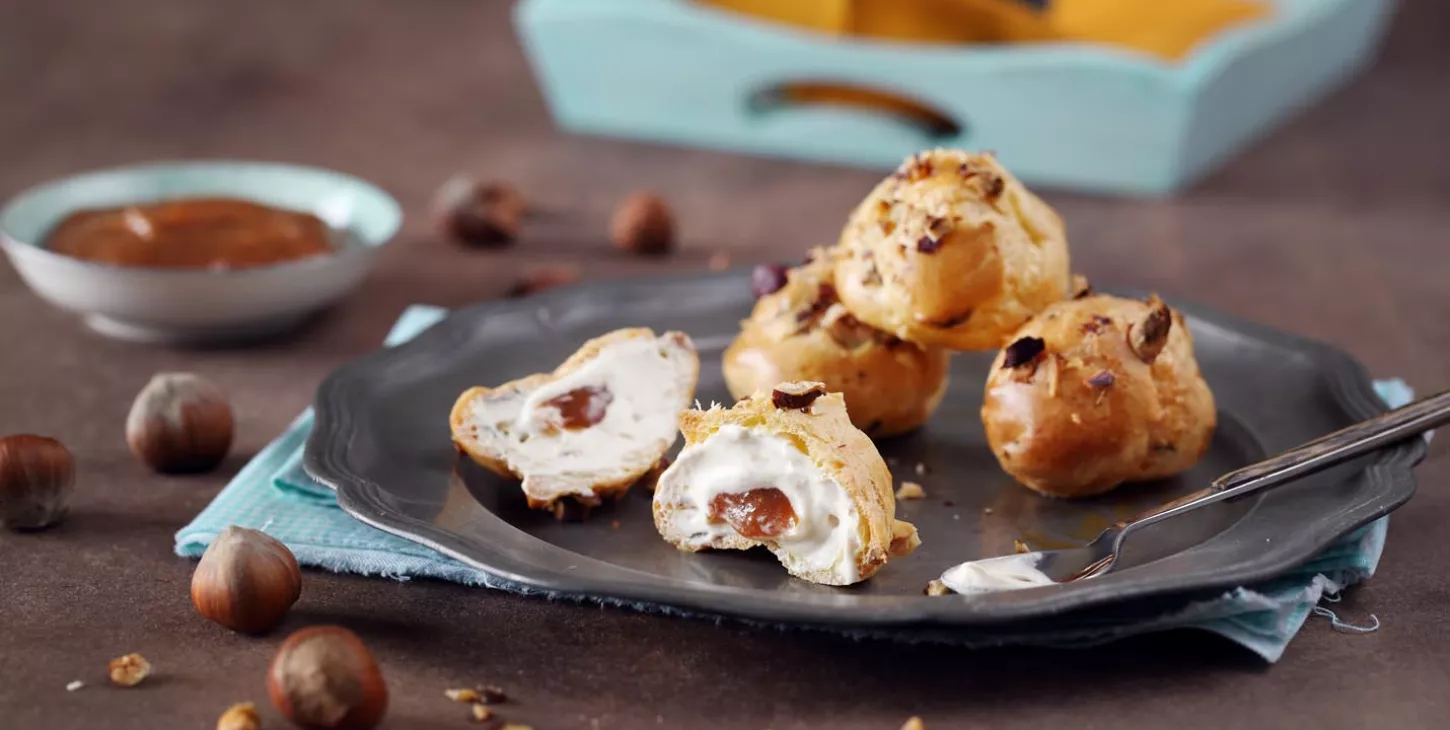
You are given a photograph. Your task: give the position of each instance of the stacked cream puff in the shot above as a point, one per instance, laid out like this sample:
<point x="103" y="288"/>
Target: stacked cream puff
<point x="951" y="253"/>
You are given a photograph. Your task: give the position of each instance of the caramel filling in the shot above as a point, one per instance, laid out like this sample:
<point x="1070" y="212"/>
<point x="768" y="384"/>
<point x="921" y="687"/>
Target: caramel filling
<point x="581" y="407"/>
<point x="760" y="513"/>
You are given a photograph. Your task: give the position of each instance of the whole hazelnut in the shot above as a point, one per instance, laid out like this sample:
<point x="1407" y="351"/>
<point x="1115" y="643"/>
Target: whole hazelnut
<point x="323" y="677"/>
<point x="180" y="423"/>
<point x="475" y="213"/>
<point x="246" y="581"/>
<point x="643" y="224"/>
<point x="37" y="476"/>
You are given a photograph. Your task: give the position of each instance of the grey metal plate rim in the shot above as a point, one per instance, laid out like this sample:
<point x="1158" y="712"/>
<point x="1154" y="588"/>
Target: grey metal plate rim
<point x="510" y="554"/>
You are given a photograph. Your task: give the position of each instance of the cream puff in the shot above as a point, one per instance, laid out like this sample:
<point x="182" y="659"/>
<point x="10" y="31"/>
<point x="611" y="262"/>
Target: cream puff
<point x="1098" y="391"/>
<point x="786" y="470"/>
<point x="802" y="332"/>
<point x="589" y="429"/>
<point x="951" y="251"/>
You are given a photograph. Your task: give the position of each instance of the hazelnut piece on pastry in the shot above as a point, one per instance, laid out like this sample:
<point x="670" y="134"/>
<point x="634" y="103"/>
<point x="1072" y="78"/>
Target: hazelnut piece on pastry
<point x="801" y="332"/>
<point x="952" y="251"/>
<point x="786" y="470"/>
<point x="589" y="429"/>
<point x="1098" y="391"/>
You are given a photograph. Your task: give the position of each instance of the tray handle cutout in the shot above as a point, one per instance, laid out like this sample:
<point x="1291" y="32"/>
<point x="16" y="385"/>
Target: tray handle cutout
<point x="931" y="122"/>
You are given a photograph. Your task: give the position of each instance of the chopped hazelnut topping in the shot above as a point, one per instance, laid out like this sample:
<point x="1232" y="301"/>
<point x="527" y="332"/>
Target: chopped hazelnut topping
<point x="927" y="244"/>
<point x="481" y="713"/>
<point x="129" y="670"/>
<point x="919" y="167"/>
<point x="1081" y="287"/>
<point x="914" y="723"/>
<point x="872" y="276"/>
<point x="493" y="694"/>
<point x="995" y="185"/>
<point x="825" y="297"/>
<point x="910" y="490"/>
<point x="1025" y="350"/>
<point x="767" y="279"/>
<point x="74" y="685"/>
<point x="462" y="695"/>
<point x="845" y="329"/>
<point x="515" y="726"/>
<point x="799" y="398"/>
<point x="1019" y="546"/>
<point x="937" y="588"/>
<point x="1096" y="324"/>
<point x="1148" y="335"/>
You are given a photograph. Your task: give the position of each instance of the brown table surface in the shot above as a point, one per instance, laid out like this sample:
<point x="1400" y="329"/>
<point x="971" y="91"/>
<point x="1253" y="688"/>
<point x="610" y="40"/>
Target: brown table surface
<point x="1334" y="227"/>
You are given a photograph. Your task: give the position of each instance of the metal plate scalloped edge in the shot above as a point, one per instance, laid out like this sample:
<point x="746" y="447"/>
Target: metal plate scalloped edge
<point x="1389" y="479"/>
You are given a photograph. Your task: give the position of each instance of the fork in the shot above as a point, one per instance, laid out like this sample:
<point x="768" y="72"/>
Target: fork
<point x="1101" y="555"/>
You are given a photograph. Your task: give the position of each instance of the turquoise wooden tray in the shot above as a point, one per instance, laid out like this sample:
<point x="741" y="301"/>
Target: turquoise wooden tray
<point x="1062" y="115"/>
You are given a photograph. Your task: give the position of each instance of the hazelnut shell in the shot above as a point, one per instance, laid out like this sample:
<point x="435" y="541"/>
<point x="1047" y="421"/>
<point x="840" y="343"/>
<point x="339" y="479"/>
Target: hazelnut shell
<point x="324" y="677"/>
<point x="180" y="423"/>
<point x="479" y="214"/>
<point x="643" y="224"/>
<point x="37" y="476"/>
<point x="246" y="581"/>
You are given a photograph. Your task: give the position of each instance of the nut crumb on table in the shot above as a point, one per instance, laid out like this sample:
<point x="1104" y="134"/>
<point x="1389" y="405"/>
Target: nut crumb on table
<point x="462" y="695"/>
<point x="241" y="716"/>
<point x="910" y="490"/>
<point x="129" y="670"/>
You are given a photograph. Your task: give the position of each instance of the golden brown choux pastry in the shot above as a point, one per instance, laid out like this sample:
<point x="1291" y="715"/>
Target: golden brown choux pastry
<point x="1098" y="391"/>
<point x="801" y="332"/>
<point x="951" y="251"/>
<point x="786" y="470"/>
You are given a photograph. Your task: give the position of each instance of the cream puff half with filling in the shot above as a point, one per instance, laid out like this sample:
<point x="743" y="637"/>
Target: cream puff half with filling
<point x="589" y="429"/>
<point x="786" y="470"/>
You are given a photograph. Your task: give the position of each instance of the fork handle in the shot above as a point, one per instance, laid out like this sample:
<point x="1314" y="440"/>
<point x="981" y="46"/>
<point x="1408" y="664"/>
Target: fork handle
<point x="1315" y="456"/>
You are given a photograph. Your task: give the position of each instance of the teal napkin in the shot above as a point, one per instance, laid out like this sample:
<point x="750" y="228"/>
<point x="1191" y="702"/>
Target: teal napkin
<point x="274" y="494"/>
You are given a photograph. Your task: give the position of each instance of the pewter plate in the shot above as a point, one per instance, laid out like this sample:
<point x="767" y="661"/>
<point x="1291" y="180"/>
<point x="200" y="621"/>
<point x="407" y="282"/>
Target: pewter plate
<point x="381" y="439"/>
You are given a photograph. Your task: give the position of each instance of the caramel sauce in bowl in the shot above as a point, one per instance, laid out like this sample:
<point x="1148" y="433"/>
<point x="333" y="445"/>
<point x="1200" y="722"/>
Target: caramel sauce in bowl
<point x="191" y="233"/>
<point x="197" y="251"/>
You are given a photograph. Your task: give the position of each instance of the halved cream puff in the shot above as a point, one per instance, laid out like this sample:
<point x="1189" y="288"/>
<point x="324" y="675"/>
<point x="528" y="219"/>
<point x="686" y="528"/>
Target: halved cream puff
<point x="784" y="469"/>
<point x="592" y="427"/>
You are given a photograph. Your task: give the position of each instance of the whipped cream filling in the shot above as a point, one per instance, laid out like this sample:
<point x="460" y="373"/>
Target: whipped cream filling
<point x="639" y="389"/>
<point x="736" y="460"/>
<point x="1005" y="573"/>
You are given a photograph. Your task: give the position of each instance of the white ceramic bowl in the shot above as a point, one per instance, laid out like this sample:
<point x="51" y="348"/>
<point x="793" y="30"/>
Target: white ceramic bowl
<point x="191" y="305"/>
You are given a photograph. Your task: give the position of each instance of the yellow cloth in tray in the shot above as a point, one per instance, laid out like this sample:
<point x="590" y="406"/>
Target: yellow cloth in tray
<point x="1168" y="29"/>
